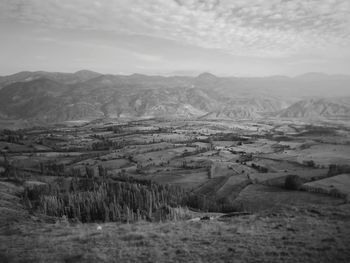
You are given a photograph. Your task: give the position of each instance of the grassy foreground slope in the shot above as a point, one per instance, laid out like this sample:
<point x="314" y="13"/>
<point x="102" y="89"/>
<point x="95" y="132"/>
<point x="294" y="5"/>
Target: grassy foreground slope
<point x="313" y="233"/>
<point x="297" y="236"/>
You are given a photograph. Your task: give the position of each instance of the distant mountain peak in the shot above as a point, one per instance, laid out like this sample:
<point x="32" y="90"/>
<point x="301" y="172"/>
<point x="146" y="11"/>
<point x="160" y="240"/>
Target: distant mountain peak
<point x="312" y="75"/>
<point x="206" y="75"/>
<point x="87" y="74"/>
<point x="138" y="75"/>
<point x="86" y="71"/>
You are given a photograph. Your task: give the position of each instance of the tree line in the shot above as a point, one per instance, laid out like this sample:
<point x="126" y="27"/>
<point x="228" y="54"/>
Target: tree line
<point x="121" y="199"/>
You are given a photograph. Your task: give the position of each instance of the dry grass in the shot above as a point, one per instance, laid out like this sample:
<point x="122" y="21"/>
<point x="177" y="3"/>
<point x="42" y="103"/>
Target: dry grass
<point x="306" y="231"/>
<point x="288" y="236"/>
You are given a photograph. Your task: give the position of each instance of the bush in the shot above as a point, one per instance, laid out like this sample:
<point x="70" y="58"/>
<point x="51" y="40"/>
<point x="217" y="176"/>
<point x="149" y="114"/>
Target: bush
<point x="293" y="182"/>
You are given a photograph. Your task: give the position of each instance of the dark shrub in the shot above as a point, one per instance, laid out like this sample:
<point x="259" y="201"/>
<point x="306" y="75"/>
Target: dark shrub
<point x="310" y="163"/>
<point x="293" y="182"/>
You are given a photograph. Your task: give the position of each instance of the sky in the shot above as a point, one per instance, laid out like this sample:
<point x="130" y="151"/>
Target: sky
<point x="176" y="37"/>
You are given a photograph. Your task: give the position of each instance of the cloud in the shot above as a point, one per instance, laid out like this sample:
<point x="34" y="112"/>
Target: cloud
<point x="147" y="57"/>
<point x="273" y="28"/>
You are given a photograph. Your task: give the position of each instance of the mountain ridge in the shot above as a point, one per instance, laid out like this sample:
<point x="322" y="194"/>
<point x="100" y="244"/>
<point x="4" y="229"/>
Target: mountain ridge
<point x="67" y="78"/>
<point x="54" y="97"/>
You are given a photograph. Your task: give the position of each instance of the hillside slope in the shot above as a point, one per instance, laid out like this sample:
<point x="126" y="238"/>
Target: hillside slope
<point x="325" y="107"/>
<point x="47" y="101"/>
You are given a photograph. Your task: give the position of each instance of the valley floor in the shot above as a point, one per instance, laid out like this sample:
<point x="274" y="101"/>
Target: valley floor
<point x="241" y="164"/>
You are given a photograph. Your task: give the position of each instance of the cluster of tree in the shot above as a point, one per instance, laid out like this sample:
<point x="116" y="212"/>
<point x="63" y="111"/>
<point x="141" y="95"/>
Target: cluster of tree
<point x="204" y="140"/>
<point x="86" y="156"/>
<point x="52" y="167"/>
<point x="107" y="144"/>
<point x="115" y="129"/>
<point x="59" y="169"/>
<point x="10" y="172"/>
<point x="123" y="128"/>
<point x="196" y="151"/>
<point x="13" y="138"/>
<point x="280" y="147"/>
<point x="293" y="182"/>
<point x="12" y="132"/>
<point x="260" y="168"/>
<point x="123" y="199"/>
<point x="212" y="203"/>
<point x="309" y="163"/>
<point x="244" y="158"/>
<point x="284" y="138"/>
<point x="89" y="172"/>
<point x="317" y="130"/>
<point x="90" y="200"/>
<point x="210" y="173"/>
<point x="338" y="169"/>
<point x="332" y="192"/>
<point x="69" y="148"/>
<point x="185" y="164"/>
<point x="229" y="137"/>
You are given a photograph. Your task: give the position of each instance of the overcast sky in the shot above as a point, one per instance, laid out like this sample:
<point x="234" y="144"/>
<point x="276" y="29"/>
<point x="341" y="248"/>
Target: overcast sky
<point x="225" y="37"/>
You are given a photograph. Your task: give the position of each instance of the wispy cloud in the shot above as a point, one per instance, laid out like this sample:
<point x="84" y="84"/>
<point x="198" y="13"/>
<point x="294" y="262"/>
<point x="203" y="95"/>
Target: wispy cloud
<point x="254" y="28"/>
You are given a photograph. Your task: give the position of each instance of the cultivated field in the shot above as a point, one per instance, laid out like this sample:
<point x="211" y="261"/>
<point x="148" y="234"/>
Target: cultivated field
<point x="179" y="190"/>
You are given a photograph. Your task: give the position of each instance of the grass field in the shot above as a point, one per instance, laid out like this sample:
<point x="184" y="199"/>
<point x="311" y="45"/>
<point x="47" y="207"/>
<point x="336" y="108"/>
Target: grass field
<point x="287" y="236"/>
<point x="188" y="179"/>
<point x="260" y="197"/>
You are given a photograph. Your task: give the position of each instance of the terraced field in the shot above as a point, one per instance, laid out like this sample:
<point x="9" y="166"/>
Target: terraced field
<point x="237" y="169"/>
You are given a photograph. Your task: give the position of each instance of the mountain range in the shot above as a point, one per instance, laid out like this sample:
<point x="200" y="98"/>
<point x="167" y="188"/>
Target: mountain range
<point x="49" y="97"/>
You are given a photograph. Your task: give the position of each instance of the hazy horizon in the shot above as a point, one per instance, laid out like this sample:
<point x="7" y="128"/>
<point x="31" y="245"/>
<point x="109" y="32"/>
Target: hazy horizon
<point x="182" y="74"/>
<point x="227" y="38"/>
